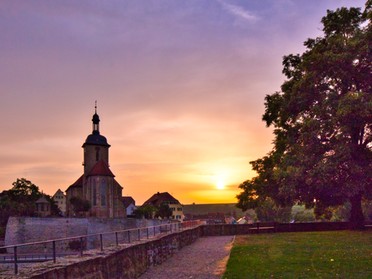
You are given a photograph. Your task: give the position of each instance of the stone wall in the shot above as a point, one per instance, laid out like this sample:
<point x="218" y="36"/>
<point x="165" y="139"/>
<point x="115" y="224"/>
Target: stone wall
<point x="229" y="229"/>
<point x="26" y="229"/>
<point x="129" y="262"/>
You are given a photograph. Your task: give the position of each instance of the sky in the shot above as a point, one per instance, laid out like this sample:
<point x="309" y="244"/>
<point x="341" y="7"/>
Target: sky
<point x="180" y="87"/>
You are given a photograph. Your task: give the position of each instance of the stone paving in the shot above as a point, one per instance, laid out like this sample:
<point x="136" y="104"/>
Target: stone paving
<point x="204" y="259"/>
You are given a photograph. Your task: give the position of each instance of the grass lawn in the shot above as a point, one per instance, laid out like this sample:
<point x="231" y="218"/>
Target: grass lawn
<point x="340" y="254"/>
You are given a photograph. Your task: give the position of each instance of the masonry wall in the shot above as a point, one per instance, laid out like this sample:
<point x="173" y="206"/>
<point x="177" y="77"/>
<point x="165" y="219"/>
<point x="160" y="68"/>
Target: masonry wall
<point x="27" y="229"/>
<point x="129" y="262"/>
<point x="229" y="229"/>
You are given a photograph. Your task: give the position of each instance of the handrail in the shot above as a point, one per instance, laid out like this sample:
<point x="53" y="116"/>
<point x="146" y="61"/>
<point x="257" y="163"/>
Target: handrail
<point x="170" y="228"/>
<point x="79" y="236"/>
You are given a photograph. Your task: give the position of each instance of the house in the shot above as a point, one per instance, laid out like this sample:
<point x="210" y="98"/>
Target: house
<point x="129" y="205"/>
<point x="60" y="200"/>
<point x="165" y="198"/>
<point x="96" y="188"/>
<point x="43" y="208"/>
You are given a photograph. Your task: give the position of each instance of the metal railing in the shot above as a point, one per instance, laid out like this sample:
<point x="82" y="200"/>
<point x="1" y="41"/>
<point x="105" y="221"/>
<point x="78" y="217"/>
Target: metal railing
<point x="86" y="242"/>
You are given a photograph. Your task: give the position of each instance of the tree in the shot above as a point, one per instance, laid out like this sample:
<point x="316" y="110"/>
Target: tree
<point x="164" y="211"/>
<point x="268" y="211"/>
<point x="322" y="121"/>
<point x="20" y="201"/>
<point x="79" y="205"/>
<point x="145" y="211"/>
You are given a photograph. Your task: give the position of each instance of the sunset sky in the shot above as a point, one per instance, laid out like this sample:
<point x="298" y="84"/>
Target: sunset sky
<point x="180" y="86"/>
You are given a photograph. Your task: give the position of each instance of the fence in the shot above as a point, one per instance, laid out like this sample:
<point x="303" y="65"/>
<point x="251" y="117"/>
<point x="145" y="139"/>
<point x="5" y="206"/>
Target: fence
<point x="52" y="248"/>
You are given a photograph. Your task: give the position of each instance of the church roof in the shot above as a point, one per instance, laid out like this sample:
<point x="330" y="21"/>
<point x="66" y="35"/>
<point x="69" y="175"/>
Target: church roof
<point x="77" y="184"/>
<point x="117" y="184"/>
<point x="96" y="139"/>
<point x="101" y="168"/>
<point x="160" y="198"/>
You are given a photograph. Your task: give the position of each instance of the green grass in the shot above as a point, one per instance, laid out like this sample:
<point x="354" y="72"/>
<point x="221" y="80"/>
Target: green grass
<point x="341" y="254"/>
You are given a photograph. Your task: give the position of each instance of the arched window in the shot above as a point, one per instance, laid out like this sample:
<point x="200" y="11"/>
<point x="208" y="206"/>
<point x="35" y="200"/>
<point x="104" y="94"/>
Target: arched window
<point x="94" y="192"/>
<point x="103" y="192"/>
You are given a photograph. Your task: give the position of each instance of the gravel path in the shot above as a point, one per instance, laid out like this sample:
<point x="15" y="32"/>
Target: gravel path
<point x="204" y="259"/>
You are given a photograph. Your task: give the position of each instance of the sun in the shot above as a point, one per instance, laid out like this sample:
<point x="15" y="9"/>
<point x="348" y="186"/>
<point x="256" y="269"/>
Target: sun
<point x="220" y="183"/>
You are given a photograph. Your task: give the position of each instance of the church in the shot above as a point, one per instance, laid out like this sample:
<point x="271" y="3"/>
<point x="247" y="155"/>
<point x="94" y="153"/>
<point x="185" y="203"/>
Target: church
<point x="97" y="185"/>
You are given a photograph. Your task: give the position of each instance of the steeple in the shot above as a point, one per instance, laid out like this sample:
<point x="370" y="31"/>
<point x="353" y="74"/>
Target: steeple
<point x="95" y="121"/>
<point x="96" y="138"/>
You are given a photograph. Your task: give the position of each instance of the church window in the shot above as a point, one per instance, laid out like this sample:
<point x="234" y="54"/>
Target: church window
<point x="103" y="192"/>
<point x="94" y="193"/>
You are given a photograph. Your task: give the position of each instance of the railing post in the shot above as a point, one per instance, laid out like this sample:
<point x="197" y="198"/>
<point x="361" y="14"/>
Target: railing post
<point x="15" y="260"/>
<point x="45" y="251"/>
<point x="154" y="230"/>
<point x="116" y="238"/>
<point x="101" y="241"/>
<point x="147" y="231"/>
<point x="81" y="246"/>
<point x="128" y="236"/>
<point x="54" y="251"/>
<point x="139" y="234"/>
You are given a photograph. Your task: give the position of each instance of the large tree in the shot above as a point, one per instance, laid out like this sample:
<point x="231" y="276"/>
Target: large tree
<point x="322" y="121"/>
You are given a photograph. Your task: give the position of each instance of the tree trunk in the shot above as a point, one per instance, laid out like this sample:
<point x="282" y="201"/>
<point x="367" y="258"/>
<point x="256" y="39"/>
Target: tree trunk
<point x="356" y="214"/>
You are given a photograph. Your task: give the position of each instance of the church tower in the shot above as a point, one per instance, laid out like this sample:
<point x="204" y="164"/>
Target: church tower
<point x="97" y="185"/>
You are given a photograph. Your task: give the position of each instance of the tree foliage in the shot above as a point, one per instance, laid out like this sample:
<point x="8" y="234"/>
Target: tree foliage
<point x="322" y="120"/>
<point x="145" y="211"/>
<point x="20" y="201"/>
<point x="79" y="205"/>
<point x="149" y="211"/>
<point x="164" y="211"/>
<point x="268" y="211"/>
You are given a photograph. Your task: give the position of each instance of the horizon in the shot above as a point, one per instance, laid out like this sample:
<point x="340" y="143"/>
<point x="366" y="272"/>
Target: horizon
<point x="180" y="89"/>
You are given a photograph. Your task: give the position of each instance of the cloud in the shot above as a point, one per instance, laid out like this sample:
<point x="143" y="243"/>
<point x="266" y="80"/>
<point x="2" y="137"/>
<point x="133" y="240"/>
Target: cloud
<point x="239" y="11"/>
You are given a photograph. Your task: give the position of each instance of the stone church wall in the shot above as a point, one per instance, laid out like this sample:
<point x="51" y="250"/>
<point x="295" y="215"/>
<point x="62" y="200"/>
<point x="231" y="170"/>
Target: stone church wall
<point x="29" y="229"/>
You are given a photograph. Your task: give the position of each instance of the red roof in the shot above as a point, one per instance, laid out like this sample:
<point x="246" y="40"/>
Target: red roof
<point x="77" y="183"/>
<point x="101" y="168"/>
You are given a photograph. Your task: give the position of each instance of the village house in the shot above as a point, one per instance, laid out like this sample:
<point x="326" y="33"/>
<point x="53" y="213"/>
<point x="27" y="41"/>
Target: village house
<point x="43" y="208"/>
<point x="129" y="205"/>
<point x="165" y="198"/>
<point x="60" y="199"/>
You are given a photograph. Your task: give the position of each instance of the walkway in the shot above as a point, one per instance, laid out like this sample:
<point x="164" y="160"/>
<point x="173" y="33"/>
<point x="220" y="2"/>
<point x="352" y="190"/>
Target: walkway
<point x="204" y="259"/>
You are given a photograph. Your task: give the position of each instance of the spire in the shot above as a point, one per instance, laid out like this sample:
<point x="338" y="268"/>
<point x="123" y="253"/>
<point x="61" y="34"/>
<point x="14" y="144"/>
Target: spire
<point x="96" y="138"/>
<point x="95" y="120"/>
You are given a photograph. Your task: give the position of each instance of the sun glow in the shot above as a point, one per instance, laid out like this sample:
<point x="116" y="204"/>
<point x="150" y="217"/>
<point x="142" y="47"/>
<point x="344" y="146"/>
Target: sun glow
<point x="220" y="184"/>
<point x="220" y="181"/>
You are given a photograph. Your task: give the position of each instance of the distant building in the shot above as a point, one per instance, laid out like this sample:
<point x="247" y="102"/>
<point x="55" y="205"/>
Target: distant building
<point x="60" y="200"/>
<point x="129" y="205"/>
<point x="210" y="218"/>
<point x="166" y="198"/>
<point x="97" y="184"/>
<point x="43" y="208"/>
